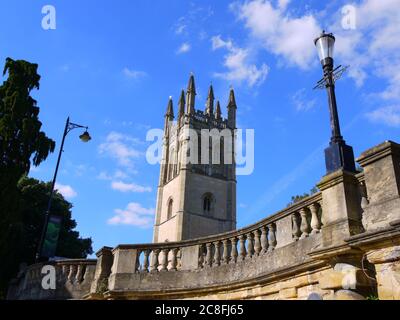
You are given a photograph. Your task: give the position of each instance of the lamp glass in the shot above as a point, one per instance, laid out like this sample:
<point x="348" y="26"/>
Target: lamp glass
<point x="325" y="45"/>
<point x="85" y="137"/>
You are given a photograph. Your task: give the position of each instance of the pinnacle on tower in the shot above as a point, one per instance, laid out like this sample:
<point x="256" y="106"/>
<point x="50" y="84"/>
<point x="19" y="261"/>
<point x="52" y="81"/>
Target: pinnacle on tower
<point x="232" y="101"/>
<point x="191" y="86"/>
<point x="181" y="111"/>
<point x="218" y="111"/>
<point x="210" y="101"/>
<point x="232" y="110"/>
<point x="170" y="110"/>
<point x="190" y="95"/>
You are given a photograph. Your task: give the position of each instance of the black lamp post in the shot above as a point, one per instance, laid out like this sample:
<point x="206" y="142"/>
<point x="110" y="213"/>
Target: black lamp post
<point x="338" y="155"/>
<point x="42" y="254"/>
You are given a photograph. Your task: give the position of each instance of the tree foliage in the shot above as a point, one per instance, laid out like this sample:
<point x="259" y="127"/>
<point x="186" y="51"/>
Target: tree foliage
<point x="300" y="197"/>
<point x="34" y="196"/>
<point x="20" y="136"/>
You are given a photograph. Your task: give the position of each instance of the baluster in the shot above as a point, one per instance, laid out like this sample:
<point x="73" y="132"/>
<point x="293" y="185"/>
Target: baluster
<point x="264" y="238"/>
<point x="72" y="271"/>
<point x="208" y="256"/>
<point x="202" y="253"/>
<point x="364" y="195"/>
<point x="234" y="252"/>
<point x="242" y="248"/>
<point x="250" y="245"/>
<point x="226" y="251"/>
<point x="217" y="255"/>
<point x="146" y="254"/>
<point x="315" y="222"/>
<point x="304" y="226"/>
<point x="257" y="243"/>
<point x="64" y="269"/>
<point x="137" y="263"/>
<point x="272" y="236"/>
<point x="154" y="260"/>
<point x="164" y="260"/>
<point x="320" y="212"/>
<point x="295" y="226"/>
<point x="79" y="273"/>
<point x="174" y="251"/>
<point x="59" y="272"/>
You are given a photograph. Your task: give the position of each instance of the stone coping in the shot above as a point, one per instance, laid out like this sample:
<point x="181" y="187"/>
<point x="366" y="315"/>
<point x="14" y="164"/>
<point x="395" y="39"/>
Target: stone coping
<point x="378" y="152"/>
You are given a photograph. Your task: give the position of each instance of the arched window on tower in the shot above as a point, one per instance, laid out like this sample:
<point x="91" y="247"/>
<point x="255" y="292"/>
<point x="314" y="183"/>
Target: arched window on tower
<point x="169" y="210"/>
<point x="207" y="204"/>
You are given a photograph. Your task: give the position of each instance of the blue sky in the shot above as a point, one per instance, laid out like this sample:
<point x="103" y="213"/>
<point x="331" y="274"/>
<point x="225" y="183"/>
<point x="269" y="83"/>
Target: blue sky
<point x="112" y="65"/>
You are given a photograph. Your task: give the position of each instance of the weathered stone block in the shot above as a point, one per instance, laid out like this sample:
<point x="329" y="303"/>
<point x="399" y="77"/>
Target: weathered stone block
<point x="288" y="293"/>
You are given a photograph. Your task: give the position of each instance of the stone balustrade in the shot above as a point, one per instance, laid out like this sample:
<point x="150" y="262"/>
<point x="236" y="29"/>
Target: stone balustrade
<point x="301" y="220"/>
<point x="72" y="280"/>
<point x="342" y="242"/>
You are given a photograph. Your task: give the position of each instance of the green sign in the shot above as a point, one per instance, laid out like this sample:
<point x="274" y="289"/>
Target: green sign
<point x="51" y="237"/>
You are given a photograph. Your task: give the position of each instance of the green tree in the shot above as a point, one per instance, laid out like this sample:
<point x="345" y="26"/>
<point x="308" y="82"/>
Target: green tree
<point x="22" y="143"/>
<point x="33" y="198"/>
<point x="21" y="140"/>
<point x="20" y="137"/>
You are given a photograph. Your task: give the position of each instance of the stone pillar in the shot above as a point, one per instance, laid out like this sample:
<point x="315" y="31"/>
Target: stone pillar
<point x="103" y="270"/>
<point x="387" y="267"/>
<point x="381" y="166"/>
<point x="190" y="257"/>
<point x="341" y="207"/>
<point x="125" y="260"/>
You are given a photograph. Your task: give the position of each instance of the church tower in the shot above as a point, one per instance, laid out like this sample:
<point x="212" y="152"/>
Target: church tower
<point x="196" y="193"/>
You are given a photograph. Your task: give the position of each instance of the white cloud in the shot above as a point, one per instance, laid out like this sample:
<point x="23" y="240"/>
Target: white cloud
<point x="184" y="48"/>
<point x="301" y="102"/>
<point x="238" y="65"/>
<point x="373" y="50"/>
<point x="180" y="26"/>
<point x="287" y="37"/>
<point x="389" y="115"/>
<point x="193" y="20"/>
<point x="120" y="147"/>
<point x="282" y="4"/>
<point x="118" y="174"/>
<point x="134" y="214"/>
<point x="129" y="187"/>
<point x="67" y="191"/>
<point x="133" y="74"/>
<point x="217" y="42"/>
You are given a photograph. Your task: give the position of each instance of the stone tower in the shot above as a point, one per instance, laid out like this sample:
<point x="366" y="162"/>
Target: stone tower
<point x="197" y="189"/>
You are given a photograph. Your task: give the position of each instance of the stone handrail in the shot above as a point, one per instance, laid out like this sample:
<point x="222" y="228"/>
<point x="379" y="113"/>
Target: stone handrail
<point x="291" y="224"/>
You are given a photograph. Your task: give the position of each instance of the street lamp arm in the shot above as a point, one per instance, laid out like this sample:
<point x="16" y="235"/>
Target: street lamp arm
<point x="72" y="126"/>
<point x="335" y="74"/>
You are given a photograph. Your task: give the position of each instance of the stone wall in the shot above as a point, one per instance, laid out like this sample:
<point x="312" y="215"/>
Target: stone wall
<point x="340" y="243"/>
